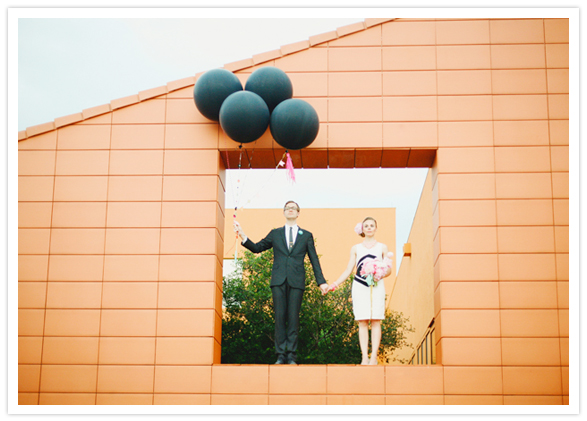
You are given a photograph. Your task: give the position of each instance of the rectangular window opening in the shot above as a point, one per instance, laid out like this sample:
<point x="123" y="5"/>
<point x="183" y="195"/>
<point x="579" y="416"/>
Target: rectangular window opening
<point x="332" y="201"/>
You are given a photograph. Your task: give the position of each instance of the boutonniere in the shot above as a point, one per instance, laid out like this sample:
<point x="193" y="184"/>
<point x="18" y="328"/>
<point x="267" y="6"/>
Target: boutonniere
<point x="300" y="232"/>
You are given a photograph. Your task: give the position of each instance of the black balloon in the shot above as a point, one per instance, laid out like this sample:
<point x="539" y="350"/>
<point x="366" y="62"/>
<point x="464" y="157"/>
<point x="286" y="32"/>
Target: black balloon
<point x="244" y="116"/>
<point x="212" y="88"/>
<point x="294" y="124"/>
<point x="271" y="84"/>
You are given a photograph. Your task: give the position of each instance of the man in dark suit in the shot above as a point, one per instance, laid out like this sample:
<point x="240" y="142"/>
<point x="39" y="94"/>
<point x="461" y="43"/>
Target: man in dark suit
<point x="290" y="245"/>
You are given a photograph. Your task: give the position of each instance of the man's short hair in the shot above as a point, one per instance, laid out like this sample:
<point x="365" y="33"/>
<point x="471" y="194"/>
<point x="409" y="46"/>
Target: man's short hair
<point x="291" y="201"/>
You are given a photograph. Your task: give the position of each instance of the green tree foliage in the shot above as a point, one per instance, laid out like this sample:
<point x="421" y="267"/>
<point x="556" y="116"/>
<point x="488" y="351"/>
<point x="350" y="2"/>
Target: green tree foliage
<point x="328" y="331"/>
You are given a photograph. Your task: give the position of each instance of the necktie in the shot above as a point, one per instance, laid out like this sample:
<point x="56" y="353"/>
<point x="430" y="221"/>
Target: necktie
<point x="290" y="238"/>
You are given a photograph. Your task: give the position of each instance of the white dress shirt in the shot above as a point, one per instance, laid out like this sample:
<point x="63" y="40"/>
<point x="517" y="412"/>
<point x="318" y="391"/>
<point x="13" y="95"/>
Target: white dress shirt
<point x="294" y="232"/>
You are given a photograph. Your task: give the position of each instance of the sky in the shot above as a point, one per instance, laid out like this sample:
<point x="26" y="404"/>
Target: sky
<point x="67" y="65"/>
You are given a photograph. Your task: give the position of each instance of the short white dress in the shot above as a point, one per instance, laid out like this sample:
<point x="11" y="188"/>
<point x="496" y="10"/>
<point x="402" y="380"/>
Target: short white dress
<point x="367" y="304"/>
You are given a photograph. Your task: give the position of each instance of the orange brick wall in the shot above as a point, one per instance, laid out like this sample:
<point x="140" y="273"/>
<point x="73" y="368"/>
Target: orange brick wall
<point x="501" y="235"/>
<point x="120" y="251"/>
<point x="121" y="213"/>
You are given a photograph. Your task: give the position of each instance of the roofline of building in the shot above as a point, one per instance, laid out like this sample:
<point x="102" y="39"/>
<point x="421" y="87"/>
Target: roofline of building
<point x="190" y="81"/>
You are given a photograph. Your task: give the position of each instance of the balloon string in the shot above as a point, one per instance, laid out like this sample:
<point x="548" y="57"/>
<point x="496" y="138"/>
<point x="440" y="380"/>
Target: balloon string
<point x="280" y="164"/>
<point x="233" y="245"/>
<point x="252" y="154"/>
<point x="240" y="157"/>
<point x="236" y="199"/>
<point x="233" y="199"/>
<point x="246" y="177"/>
<point x="240" y="186"/>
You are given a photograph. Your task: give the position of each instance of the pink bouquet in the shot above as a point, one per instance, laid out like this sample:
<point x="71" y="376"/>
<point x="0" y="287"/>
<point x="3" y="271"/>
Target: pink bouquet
<point x="375" y="269"/>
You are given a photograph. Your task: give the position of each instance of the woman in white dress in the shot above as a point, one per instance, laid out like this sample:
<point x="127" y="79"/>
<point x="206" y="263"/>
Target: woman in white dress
<point x="368" y="302"/>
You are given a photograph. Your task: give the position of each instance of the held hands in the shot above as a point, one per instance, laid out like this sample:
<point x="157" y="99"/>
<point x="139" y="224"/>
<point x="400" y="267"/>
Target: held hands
<point x="332" y="287"/>
<point x="327" y="288"/>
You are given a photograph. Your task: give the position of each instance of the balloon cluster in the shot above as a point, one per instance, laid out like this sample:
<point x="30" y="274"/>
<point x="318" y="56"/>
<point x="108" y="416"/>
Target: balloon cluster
<point x="244" y="115"/>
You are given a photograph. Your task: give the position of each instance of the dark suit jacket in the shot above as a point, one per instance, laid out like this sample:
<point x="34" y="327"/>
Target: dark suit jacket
<point x="289" y="265"/>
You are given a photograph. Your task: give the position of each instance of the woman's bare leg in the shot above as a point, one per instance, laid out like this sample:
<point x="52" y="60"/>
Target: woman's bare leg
<point x="375" y="340"/>
<point x="364" y="341"/>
